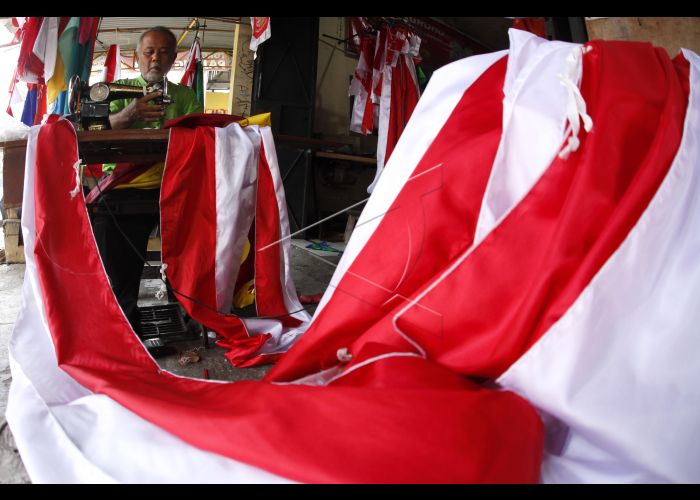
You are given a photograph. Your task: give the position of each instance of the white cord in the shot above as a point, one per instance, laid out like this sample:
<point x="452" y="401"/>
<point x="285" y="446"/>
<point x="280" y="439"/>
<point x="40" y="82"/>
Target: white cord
<point x="78" y="183"/>
<point x="576" y="105"/>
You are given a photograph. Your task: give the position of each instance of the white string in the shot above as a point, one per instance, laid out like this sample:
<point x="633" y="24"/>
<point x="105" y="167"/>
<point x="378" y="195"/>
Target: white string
<point x="576" y="105"/>
<point x="343" y="355"/>
<point x="78" y="183"/>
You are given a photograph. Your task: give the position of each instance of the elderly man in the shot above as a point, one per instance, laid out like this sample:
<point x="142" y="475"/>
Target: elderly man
<point x="121" y="236"/>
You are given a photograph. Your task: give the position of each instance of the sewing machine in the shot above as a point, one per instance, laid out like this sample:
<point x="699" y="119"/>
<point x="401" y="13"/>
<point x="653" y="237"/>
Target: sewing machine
<point x="89" y="104"/>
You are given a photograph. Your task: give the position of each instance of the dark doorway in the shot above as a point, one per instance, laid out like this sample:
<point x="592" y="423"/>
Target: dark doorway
<point x="285" y="85"/>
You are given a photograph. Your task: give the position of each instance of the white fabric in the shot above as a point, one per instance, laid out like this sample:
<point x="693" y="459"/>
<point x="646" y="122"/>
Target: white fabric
<point x="534" y="122"/>
<point x="443" y="93"/>
<point x="620" y="368"/>
<point x="236" y="171"/>
<point x="65" y="433"/>
<point x="45" y="47"/>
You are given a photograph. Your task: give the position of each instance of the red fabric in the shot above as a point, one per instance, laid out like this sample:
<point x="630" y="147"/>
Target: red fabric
<point x="111" y="63"/>
<point x="447" y="434"/>
<point x="87" y="26"/>
<point x="189" y="234"/>
<point x="269" y="299"/>
<point x="27" y="61"/>
<point x="40" y="103"/>
<point x="534" y="25"/>
<point x="62" y="23"/>
<point x="399" y="256"/>
<point x="202" y="120"/>
<point x="310" y="299"/>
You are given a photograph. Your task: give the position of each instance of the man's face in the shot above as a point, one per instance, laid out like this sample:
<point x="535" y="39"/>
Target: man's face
<point x="156" y="56"/>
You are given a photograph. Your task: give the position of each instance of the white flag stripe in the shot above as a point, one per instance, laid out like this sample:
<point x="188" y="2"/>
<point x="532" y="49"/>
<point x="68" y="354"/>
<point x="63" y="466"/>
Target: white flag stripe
<point x="236" y="151"/>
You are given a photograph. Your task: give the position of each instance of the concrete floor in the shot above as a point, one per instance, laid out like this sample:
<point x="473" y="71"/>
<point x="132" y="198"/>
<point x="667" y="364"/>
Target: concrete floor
<point x="311" y="273"/>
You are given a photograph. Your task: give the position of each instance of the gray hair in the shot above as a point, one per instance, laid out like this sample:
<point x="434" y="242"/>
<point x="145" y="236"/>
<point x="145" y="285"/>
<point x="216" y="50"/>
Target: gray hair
<point x="161" y="29"/>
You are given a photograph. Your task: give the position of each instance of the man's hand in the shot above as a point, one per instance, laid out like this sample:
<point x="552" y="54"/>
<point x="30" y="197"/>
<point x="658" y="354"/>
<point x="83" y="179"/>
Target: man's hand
<point x="138" y="110"/>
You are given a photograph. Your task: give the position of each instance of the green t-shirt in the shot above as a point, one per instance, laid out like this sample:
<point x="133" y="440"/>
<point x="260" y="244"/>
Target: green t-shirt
<point x="184" y="103"/>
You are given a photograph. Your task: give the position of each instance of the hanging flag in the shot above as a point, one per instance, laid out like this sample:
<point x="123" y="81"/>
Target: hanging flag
<point x="261" y="31"/>
<point x="362" y="120"/>
<point x="398" y="92"/>
<point x="29" y="67"/>
<point x="194" y="71"/>
<point x="385" y="87"/>
<point x="112" y="66"/>
<point x="239" y="181"/>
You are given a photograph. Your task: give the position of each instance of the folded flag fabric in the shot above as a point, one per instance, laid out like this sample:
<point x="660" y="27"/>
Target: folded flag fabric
<point x="533" y="321"/>
<point x="220" y="181"/>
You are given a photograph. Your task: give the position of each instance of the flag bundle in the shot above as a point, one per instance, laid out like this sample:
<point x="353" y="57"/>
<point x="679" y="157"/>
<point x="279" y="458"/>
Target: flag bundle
<point x="53" y="50"/>
<point x="384" y="85"/>
<point x="534" y="318"/>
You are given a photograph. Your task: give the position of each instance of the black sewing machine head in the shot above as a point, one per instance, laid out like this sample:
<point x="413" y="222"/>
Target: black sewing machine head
<point x="89" y="104"/>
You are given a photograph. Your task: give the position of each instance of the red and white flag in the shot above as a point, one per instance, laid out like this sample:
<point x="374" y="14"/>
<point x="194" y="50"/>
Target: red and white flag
<point x="385" y="87"/>
<point x="194" y="57"/>
<point x="362" y="119"/>
<point x="261" y="31"/>
<point x="399" y="94"/>
<point x="230" y="176"/>
<point x="553" y="341"/>
<point x="112" y="68"/>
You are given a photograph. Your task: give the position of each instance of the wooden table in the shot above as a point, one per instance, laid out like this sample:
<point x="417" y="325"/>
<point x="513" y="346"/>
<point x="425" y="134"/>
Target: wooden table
<point x="103" y="146"/>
